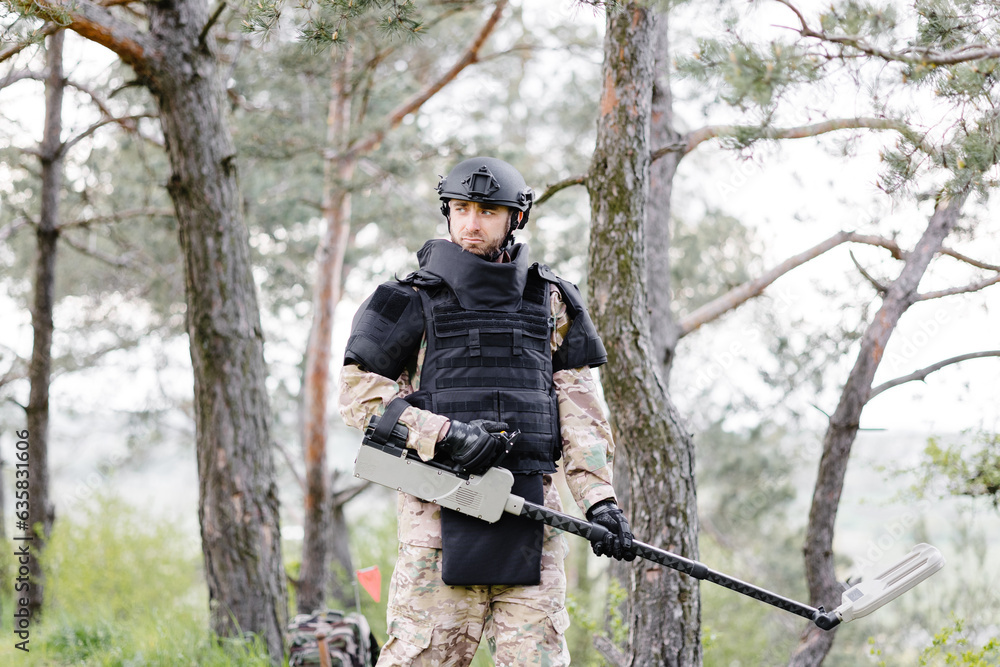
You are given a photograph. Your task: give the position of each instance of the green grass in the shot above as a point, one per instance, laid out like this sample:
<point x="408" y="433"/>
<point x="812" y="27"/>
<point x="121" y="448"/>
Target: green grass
<point x="123" y="590"/>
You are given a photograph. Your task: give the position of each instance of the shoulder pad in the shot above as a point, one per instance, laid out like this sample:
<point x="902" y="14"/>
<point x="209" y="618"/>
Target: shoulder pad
<point x="545" y="273"/>
<point x="583" y="345"/>
<point x="387" y="330"/>
<point x="422" y="278"/>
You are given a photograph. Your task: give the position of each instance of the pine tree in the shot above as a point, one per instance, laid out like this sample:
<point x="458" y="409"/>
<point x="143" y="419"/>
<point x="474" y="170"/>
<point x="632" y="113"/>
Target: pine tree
<point x="172" y="54"/>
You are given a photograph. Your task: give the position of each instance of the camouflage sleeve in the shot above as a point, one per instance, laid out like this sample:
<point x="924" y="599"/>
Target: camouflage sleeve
<point x="364" y="394"/>
<point x="588" y="446"/>
<point x="560" y="317"/>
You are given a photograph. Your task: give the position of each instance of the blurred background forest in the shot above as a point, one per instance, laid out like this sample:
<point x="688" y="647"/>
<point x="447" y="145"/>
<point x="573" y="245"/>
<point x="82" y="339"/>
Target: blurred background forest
<point x="341" y="128"/>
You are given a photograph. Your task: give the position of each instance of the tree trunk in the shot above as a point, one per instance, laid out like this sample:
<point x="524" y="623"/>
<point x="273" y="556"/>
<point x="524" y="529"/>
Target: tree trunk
<point x="319" y="536"/>
<point x="664" y="330"/>
<point x="823" y="586"/>
<point x="340" y="549"/>
<point x="238" y="501"/>
<point x="663" y="605"/>
<point x="41" y="513"/>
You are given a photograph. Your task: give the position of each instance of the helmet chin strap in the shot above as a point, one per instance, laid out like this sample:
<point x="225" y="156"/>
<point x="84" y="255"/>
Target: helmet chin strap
<point x="508" y="241"/>
<point x="515" y="218"/>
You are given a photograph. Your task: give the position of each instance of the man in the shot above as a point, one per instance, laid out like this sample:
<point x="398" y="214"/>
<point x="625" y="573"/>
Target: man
<point x="476" y="342"/>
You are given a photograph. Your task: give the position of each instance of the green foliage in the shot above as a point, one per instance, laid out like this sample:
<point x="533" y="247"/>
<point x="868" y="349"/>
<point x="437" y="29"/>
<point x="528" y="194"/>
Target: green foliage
<point x="737" y="630"/>
<point x="749" y="75"/>
<point x="22" y="21"/>
<point x="745" y="493"/>
<point x="876" y="652"/>
<point x="949" y="24"/>
<point x="595" y="610"/>
<point x="373" y="542"/>
<point x="261" y="17"/>
<point x="935" y="59"/>
<point x="970" y="468"/>
<point x="128" y="564"/>
<point x="952" y="646"/>
<point x="125" y="589"/>
<point x="745" y="483"/>
<point x="869" y="20"/>
<point x="333" y="22"/>
<point x="116" y="223"/>
<point x="934" y="62"/>
<point x="709" y="258"/>
<point x="280" y="128"/>
<point x="901" y="165"/>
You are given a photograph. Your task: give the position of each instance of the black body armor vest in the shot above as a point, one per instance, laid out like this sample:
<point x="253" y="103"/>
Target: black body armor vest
<point x="488" y="328"/>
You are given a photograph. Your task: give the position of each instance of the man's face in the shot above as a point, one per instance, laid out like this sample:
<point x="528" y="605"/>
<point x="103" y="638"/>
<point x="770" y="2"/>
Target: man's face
<point x="479" y="228"/>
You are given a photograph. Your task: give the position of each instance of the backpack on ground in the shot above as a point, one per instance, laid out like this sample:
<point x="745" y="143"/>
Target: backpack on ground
<point x="348" y="639"/>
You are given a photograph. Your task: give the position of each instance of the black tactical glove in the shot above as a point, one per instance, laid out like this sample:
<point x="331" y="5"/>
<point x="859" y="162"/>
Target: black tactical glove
<point x="618" y="541"/>
<point x="474" y="446"/>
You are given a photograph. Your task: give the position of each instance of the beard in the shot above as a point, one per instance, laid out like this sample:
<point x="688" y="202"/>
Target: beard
<point x="488" y="250"/>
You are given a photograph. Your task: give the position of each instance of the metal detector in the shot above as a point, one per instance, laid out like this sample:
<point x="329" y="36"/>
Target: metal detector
<point x="488" y="496"/>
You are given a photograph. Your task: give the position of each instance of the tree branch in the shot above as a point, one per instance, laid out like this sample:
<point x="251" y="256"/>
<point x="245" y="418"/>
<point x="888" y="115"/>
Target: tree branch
<point x="14" y="373"/>
<point x="879" y="287"/>
<point x="291" y="464"/>
<point x="94" y="97"/>
<point x="99" y="124"/>
<point x="12" y="50"/>
<point x="21" y="75"/>
<point x="99" y="25"/>
<point x="910" y="55"/>
<point x="561" y="185"/>
<point x="343" y="496"/>
<point x="743" y="293"/>
<point x="924" y="372"/>
<point x="611" y="653"/>
<point x="126" y="122"/>
<point x="695" y="138"/>
<point x="11" y="228"/>
<point x="119" y="217"/>
<point x="973" y="287"/>
<point x="413" y="104"/>
<point x="118" y="262"/>
<point x="968" y="260"/>
<point x="211" y="21"/>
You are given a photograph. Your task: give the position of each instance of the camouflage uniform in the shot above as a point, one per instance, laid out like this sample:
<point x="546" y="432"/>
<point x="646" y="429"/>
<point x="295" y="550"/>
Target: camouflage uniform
<point x="431" y="623"/>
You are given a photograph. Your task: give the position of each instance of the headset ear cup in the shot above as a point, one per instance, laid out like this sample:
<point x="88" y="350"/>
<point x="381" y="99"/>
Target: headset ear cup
<point x="522" y="219"/>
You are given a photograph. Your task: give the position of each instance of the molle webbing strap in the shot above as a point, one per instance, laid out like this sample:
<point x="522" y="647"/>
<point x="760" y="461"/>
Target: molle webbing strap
<point x="495" y="340"/>
<point x="450" y="318"/>
<point x="474" y="349"/>
<point x="491" y="362"/>
<point x="489" y="405"/>
<point x="494" y="382"/>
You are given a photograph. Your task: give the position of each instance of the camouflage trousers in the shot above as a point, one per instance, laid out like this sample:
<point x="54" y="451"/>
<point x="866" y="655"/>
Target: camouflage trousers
<point x="431" y="623"/>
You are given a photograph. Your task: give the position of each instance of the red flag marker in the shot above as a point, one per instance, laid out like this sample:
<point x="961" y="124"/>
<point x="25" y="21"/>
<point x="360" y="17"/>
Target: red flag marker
<point x="371" y="580"/>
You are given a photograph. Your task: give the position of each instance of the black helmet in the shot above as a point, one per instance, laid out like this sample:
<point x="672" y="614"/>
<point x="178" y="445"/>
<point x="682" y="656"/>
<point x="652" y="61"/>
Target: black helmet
<point x="487" y="179"/>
